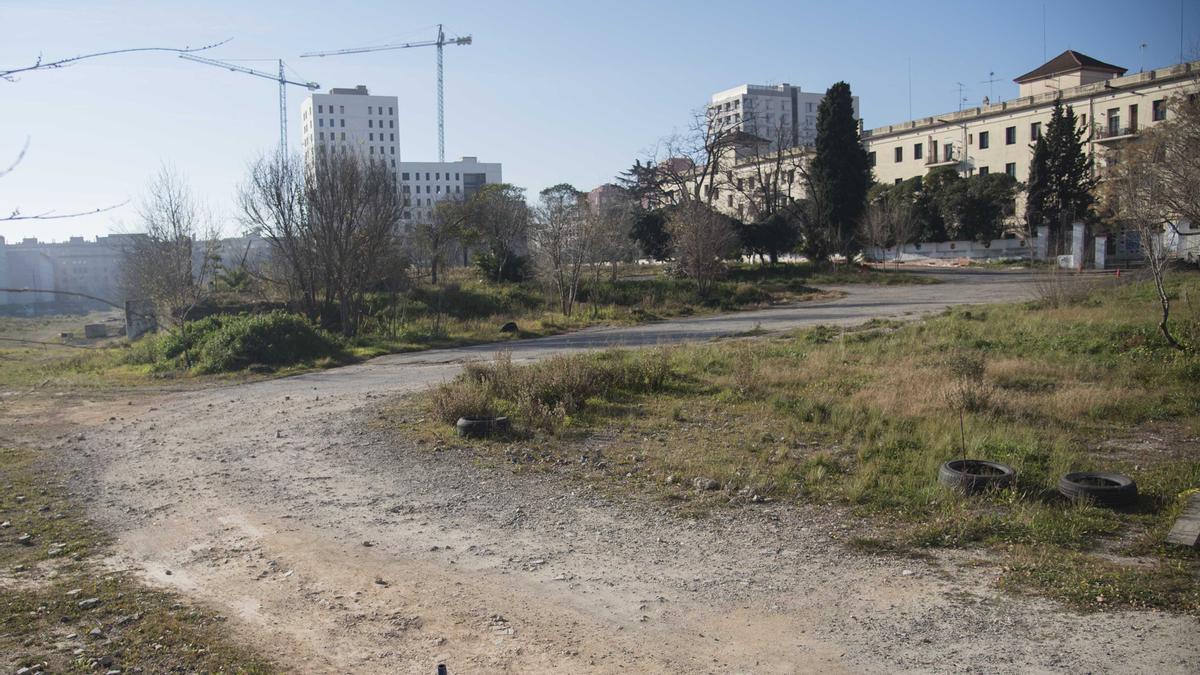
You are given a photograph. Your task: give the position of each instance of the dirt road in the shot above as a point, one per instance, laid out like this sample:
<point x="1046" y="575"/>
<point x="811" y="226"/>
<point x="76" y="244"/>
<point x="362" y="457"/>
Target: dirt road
<point x="334" y="549"/>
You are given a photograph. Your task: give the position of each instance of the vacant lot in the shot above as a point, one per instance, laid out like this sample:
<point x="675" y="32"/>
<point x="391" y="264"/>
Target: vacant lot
<point x="1077" y="381"/>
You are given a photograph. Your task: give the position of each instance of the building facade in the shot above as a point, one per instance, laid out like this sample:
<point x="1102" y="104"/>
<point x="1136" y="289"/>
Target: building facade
<point x="346" y="121"/>
<point x="1111" y="107"/>
<point x="782" y="114"/>
<point x="73" y="266"/>
<point x="424" y="184"/>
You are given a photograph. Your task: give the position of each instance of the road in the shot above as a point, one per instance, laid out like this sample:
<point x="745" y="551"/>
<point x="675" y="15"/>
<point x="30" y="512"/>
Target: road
<point x="333" y="546"/>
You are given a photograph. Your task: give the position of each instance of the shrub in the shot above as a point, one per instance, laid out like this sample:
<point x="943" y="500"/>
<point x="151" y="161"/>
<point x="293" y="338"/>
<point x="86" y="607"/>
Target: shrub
<point x="273" y="339"/>
<point x="194" y="333"/>
<point x="452" y="401"/>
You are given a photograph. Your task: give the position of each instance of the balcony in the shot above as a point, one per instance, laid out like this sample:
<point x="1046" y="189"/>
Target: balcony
<point x="1110" y="134"/>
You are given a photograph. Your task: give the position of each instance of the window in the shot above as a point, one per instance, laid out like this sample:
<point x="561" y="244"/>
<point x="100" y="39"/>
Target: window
<point x="1133" y="111"/>
<point x="372" y="149"/>
<point x="322" y="135"/>
<point x="341" y="109"/>
<point x="984" y="139"/>
<point x="390" y="111"/>
<point x="372" y="137"/>
<point x="918" y="150"/>
<point x="1011" y="169"/>
<point x="898" y="181"/>
<point x="426" y="175"/>
<point x="456" y="176"/>
<point x="343" y="136"/>
<point x="391" y="124"/>
<point x="948" y="152"/>
<point x="392" y="137"/>
<point x="983" y="171"/>
<point x="899" y="154"/>
<point x="404" y="176"/>
<point x="437" y="176"/>
<point x="1035" y="131"/>
<point x="343" y="124"/>
<point x="393" y="161"/>
<point x="370" y="124"/>
<point x="1114" y="121"/>
<point x="320" y="109"/>
<point x="1010" y="136"/>
<point x="1158" y="110"/>
<point x="393" y="149"/>
<point x="870" y="162"/>
<point x="321" y="122"/>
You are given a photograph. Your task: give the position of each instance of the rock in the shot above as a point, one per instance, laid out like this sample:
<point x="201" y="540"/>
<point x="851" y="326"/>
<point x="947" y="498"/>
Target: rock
<point x="510" y="327"/>
<point x="26" y="539"/>
<point x="89" y="603"/>
<point x="368" y="543"/>
<point x="106" y="661"/>
<point x="703" y="483"/>
<point x="74" y="592"/>
<point x="96" y="633"/>
<point x="906" y="573"/>
<point x="5" y="524"/>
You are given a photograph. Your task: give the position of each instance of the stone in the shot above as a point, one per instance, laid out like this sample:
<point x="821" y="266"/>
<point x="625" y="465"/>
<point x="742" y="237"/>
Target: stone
<point x="96" y="633"/>
<point x="1186" y="530"/>
<point x="89" y="603"/>
<point x="704" y="483"/>
<point x="5" y="524"/>
<point x="26" y="539"/>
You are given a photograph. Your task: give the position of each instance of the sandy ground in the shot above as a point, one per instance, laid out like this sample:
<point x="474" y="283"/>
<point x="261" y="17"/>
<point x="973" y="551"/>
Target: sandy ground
<point x="333" y="548"/>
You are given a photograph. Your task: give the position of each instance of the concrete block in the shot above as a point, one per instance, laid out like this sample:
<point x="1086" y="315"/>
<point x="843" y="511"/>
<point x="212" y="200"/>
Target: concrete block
<point x="1186" y="531"/>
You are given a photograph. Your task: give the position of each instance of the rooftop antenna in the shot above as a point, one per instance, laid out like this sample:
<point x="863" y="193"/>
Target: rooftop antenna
<point x="990" y="82"/>
<point x="1142" y="58"/>
<point x="961" y="98"/>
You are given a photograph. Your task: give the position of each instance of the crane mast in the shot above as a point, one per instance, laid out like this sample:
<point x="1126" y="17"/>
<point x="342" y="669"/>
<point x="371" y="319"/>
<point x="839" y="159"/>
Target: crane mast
<point x="440" y="42"/>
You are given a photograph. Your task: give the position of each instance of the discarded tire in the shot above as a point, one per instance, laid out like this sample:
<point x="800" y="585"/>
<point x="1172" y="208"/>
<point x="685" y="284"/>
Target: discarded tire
<point x="478" y="427"/>
<point x="510" y="327"/>
<point x="1102" y="489"/>
<point x="975" y="475"/>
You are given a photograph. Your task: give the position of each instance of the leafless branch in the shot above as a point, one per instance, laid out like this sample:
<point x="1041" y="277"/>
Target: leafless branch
<point x="40" y="64"/>
<point x="51" y="215"/>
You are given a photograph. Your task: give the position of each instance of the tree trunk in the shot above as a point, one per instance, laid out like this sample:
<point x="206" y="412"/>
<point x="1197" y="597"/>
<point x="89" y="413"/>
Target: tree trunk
<point x="1166" y="310"/>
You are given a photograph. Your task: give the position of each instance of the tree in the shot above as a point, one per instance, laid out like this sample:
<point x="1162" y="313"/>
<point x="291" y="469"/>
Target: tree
<point x="435" y="240"/>
<point x="838" y="178"/>
<point x="890" y="218"/>
<point x="976" y="207"/>
<point x="771" y="235"/>
<point x="331" y="231"/>
<point x="273" y="205"/>
<point x="353" y="211"/>
<point x="499" y="216"/>
<point x="611" y="224"/>
<point x="1060" y="178"/>
<point x="1172" y="154"/>
<point x="562" y="240"/>
<point x="702" y="240"/>
<point x="173" y="263"/>
<point x="649" y="230"/>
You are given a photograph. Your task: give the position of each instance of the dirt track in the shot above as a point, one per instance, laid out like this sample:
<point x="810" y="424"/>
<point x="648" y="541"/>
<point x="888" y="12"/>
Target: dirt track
<point x="260" y="500"/>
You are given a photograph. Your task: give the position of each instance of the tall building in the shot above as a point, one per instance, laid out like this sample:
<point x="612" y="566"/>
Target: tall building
<point x="1110" y="106"/>
<point x="73" y="266"/>
<point x="779" y="113"/>
<point x="424" y="184"/>
<point x="350" y="121"/>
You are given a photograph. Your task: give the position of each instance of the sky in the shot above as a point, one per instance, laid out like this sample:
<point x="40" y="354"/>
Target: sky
<point x="555" y="91"/>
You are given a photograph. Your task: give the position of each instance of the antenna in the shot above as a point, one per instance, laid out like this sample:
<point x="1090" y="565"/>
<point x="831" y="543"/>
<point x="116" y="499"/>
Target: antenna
<point x="961" y="98"/>
<point x="910" y="88"/>
<point x="990" y="82"/>
<point x="1142" y="58"/>
<point x="1043" y="32"/>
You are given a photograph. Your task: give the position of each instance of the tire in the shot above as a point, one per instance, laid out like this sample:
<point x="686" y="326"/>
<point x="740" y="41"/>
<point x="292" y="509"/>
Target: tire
<point x="1102" y="489"/>
<point x="479" y="427"/>
<point x="975" y="475"/>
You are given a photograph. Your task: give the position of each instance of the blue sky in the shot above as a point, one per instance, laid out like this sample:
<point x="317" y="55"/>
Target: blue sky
<point x="557" y="91"/>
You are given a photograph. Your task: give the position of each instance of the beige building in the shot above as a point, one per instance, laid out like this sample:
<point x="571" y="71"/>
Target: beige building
<point x="998" y="137"/>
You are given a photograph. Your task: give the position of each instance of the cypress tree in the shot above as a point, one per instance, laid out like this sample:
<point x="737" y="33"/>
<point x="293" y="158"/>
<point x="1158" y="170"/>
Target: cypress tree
<point x="1068" y="181"/>
<point x="838" y="178"/>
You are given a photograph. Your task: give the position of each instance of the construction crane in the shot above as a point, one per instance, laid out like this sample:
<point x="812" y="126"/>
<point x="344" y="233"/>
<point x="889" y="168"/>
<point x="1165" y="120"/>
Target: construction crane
<point x="281" y="79"/>
<point x="440" y="42"/>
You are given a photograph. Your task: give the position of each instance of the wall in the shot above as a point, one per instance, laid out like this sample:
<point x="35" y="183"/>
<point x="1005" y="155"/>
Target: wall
<point x="998" y="249"/>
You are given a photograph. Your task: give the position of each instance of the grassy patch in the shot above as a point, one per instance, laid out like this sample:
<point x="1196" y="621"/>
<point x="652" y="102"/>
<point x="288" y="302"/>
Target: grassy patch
<point x="863" y="417"/>
<point x="64" y="612"/>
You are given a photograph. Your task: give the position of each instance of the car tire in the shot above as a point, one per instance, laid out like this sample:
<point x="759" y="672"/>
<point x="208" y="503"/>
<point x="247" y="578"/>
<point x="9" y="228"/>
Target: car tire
<point x="479" y="427"/>
<point x="975" y="475"/>
<point x="1102" y="489"/>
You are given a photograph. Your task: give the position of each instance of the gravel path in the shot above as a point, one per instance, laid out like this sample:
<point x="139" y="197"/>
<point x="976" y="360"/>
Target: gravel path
<point x="334" y="548"/>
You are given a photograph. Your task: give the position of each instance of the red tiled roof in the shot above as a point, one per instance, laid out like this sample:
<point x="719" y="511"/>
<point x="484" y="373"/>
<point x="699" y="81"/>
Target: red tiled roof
<point x="1069" y="62"/>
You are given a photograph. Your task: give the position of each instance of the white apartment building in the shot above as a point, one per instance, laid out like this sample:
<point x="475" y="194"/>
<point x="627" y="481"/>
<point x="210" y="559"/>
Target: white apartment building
<point x="1112" y="107"/>
<point x="424" y="184"/>
<point x="779" y="112"/>
<point x="350" y="121"/>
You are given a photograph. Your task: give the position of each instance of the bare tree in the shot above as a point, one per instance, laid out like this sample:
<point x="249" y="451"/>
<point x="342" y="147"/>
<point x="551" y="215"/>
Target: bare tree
<point x="436" y="239"/>
<point x="703" y="239"/>
<point x="611" y="221"/>
<point x="353" y="211"/>
<point x="562" y="240"/>
<point x="889" y="220"/>
<point x="333" y="229"/>
<point x="173" y="263"/>
<point x="273" y="206"/>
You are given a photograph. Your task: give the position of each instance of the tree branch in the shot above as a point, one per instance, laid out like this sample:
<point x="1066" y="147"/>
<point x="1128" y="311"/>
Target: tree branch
<point x="62" y="63"/>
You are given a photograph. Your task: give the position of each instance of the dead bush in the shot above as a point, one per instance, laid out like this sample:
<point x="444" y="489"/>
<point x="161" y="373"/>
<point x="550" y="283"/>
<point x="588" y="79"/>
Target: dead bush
<point x="1062" y="288"/>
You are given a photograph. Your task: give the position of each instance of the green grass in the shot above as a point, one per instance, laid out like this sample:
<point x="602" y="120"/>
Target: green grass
<point x="861" y="417"/>
<point x="42" y="624"/>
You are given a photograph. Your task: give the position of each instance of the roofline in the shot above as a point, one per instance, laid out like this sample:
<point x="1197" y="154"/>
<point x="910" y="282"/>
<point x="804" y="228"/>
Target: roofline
<point x="1179" y="71"/>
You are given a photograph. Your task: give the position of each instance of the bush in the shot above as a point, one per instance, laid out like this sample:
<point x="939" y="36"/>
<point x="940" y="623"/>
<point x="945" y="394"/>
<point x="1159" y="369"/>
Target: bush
<point x="516" y="267"/>
<point x="274" y="339"/>
<point x="174" y="343"/>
